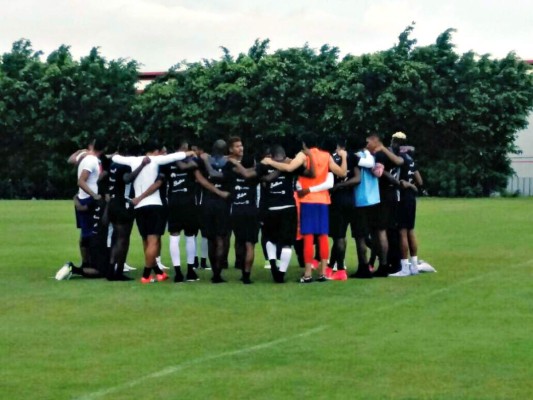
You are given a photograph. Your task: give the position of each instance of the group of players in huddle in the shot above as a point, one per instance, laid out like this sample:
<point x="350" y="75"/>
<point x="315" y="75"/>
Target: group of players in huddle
<point x="294" y="202"/>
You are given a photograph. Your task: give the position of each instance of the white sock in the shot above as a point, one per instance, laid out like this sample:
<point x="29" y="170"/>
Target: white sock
<point x="175" y="250"/>
<point x="204" y="247"/>
<point x="191" y="249"/>
<point x="405" y="265"/>
<point x="414" y="261"/>
<point x="285" y="258"/>
<point x="271" y="250"/>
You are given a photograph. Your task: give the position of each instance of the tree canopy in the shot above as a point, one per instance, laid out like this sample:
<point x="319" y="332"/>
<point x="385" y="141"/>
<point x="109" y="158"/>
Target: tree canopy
<point x="461" y="112"/>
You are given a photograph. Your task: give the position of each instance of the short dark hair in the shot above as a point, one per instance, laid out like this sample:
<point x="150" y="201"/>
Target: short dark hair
<point x="277" y="151"/>
<point x="152" y="145"/>
<point x="99" y="144"/>
<point x="309" y="139"/>
<point x="233" y="139"/>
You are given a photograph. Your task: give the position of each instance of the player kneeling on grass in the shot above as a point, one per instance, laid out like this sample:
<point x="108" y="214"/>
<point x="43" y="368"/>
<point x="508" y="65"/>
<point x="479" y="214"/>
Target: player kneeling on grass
<point x="89" y="208"/>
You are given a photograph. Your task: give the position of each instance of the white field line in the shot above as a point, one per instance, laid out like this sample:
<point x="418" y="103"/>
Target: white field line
<point x="178" y="367"/>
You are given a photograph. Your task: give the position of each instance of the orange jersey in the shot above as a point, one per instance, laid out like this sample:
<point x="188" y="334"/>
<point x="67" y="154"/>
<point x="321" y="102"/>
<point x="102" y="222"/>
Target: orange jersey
<point x="321" y="160"/>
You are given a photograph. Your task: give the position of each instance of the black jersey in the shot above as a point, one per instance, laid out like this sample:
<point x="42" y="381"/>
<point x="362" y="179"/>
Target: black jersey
<point x="243" y="190"/>
<point x="181" y="184"/>
<point x="407" y="173"/>
<point x="103" y="182"/>
<point x="118" y="189"/>
<point x="344" y="196"/>
<point x="220" y="165"/>
<point x="387" y="191"/>
<point x="280" y="191"/>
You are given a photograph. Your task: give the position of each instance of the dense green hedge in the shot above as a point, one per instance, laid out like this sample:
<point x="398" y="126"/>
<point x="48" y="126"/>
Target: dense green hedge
<point x="462" y="112"/>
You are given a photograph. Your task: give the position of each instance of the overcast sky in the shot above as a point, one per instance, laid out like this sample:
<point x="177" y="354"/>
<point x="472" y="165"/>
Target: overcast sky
<point x="160" y="33"/>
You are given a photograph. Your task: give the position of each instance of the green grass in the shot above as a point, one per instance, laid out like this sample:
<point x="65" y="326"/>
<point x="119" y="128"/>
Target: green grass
<point x="463" y="333"/>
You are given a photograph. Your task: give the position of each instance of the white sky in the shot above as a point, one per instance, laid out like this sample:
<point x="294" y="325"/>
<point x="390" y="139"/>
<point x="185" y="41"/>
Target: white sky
<point x="160" y="33"/>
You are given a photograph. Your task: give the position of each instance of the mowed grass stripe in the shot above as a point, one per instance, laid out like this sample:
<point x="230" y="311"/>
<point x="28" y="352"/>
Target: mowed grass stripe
<point x="461" y="333"/>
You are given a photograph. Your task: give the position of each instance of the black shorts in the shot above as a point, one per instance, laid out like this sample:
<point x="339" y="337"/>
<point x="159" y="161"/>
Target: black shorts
<point x="383" y="217"/>
<point x="119" y="214"/>
<point x="215" y="219"/>
<point x="184" y="217"/>
<point x="360" y="223"/>
<point x="340" y="216"/>
<point x="245" y="226"/>
<point x="150" y="220"/>
<point x="407" y="214"/>
<point x="280" y="226"/>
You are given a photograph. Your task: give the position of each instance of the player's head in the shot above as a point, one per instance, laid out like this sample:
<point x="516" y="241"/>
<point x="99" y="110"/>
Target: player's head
<point x="182" y="144"/>
<point x="398" y="139"/>
<point x="219" y="147"/>
<point x="152" y="146"/>
<point x="278" y="153"/>
<point x="99" y="145"/>
<point x="235" y="146"/>
<point x="373" y="140"/>
<point x="309" y="140"/>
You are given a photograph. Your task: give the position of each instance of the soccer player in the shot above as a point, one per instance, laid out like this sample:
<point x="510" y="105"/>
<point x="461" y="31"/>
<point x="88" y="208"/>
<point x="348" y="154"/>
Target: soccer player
<point x="384" y="218"/>
<point x="149" y="211"/>
<point x="244" y="214"/>
<point x="89" y="205"/>
<point x="236" y="153"/>
<point x="410" y="181"/>
<point x="366" y="206"/>
<point x="341" y="211"/>
<point x="314" y="215"/>
<point x="183" y="213"/>
<point x="121" y="214"/>
<point x="215" y="207"/>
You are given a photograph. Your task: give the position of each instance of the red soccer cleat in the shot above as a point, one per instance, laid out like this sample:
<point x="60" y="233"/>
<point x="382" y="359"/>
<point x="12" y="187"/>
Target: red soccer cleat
<point x="339" y="275"/>
<point x="161" y="277"/>
<point x="329" y="272"/>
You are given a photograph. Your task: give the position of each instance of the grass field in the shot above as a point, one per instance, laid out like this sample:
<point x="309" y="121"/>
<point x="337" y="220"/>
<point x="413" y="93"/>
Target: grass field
<point x="463" y="333"/>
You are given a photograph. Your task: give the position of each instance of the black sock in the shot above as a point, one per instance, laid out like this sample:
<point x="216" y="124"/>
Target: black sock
<point x="195" y="262"/>
<point x="190" y="268"/>
<point x="111" y="272"/>
<point x="157" y="270"/>
<point x="77" y="270"/>
<point x="147" y="272"/>
<point x="273" y="264"/>
<point x="203" y="262"/>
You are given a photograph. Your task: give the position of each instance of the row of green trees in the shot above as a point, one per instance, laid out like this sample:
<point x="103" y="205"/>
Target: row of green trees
<point x="462" y="112"/>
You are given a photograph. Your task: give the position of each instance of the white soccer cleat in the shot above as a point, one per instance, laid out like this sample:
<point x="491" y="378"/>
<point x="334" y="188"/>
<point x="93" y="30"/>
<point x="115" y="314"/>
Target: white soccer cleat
<point x="128" y="268"/>
<point x="400" y="274"/>
<point x="425" y="267"/>
<point x="267" y="264"/>
<point x="64" y="273"/>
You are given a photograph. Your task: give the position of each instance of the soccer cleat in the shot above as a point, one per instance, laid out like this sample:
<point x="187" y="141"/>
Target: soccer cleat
<point x="363" y="272"/>
<point x="246" y="280"/>
<point x="147" y="280"/>
<point x="161" y="277"/>
<point x="339" y="275"/>
<point x="217" y="279"/>
<point x="267" y="264"/>
<point x="400" y="274"/>
<point x="322" y="278"/>
<point x="191" y="276"/>
<point x="65" y="272"/>
<point x="128" y="268"/>
<point x="329" y="272"/>
<point x="306" y="279"/>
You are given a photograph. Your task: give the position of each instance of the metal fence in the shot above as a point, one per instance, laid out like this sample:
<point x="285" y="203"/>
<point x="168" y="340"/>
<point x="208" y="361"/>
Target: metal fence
<point x="522" y="185"/>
